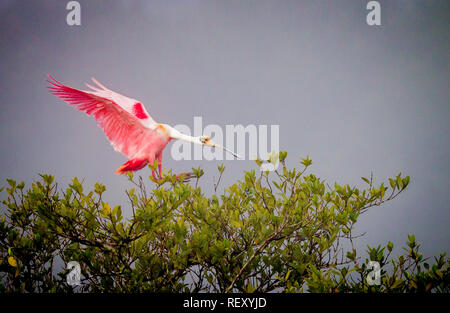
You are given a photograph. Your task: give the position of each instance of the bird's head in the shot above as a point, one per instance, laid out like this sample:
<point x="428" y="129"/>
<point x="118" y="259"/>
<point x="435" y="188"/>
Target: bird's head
<point x="206" y="141"/>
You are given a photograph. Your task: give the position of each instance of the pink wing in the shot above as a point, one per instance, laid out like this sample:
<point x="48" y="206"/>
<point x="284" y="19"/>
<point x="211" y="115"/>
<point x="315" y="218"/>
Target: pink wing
<point x="126" y="123"/>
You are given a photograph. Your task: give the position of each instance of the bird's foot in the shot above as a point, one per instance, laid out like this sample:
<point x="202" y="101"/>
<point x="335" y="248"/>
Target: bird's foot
<point x="187" y="176"/>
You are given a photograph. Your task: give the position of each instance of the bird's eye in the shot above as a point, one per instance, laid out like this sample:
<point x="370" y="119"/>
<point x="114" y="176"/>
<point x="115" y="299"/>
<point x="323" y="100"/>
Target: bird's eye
<point x="204" y="139"/>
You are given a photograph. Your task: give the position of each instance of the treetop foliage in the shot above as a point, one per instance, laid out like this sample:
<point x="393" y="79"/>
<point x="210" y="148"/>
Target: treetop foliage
<point x="283" y="231"/>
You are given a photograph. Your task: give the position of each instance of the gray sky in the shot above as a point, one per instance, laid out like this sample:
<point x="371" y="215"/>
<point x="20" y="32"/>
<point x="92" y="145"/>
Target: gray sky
<point x="355" y="98"/>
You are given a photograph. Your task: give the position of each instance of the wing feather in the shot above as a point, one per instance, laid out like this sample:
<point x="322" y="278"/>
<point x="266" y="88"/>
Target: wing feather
<point x="130" y="131"/>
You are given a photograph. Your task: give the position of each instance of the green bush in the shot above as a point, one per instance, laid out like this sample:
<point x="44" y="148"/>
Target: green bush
<point x="283" y="231"/>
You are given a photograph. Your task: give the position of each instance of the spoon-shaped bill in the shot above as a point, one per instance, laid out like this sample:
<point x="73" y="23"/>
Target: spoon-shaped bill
<point x="229" y="151"/>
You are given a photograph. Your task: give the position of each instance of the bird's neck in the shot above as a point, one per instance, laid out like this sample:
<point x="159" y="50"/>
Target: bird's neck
<point x="175" y="134"/>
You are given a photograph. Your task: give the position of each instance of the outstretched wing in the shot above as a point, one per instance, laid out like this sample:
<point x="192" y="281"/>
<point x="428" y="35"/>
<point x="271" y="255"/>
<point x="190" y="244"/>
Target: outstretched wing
<point x="125" y="121"/>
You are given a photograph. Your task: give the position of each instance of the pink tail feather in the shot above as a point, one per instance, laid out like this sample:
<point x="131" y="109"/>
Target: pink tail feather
<point x="132" y="165"/>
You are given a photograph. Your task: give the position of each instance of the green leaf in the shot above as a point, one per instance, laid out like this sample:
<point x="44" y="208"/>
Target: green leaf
<point x="306" y="162"/>
<point x="397" y="283"/>
<point x="287" y="275"/>
<point x="99" y="188"/>
<point x="392" y="183"/>
<point x="405" y="182"/>
<point x="390" y="246"/>
<point x="237" y="223"/>
<point x="11" y="182"/>
<point x="12" y="261"/>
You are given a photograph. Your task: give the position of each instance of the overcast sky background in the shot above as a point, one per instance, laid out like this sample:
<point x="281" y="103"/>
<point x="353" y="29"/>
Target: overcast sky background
<point x="355" y="98"/>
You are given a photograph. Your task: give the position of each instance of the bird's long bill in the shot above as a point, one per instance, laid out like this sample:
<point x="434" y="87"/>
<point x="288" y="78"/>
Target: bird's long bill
<point x="229" y="151"/>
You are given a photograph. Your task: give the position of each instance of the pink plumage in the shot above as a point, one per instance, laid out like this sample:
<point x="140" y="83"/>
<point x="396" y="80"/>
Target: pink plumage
<point x="125" y="121"/>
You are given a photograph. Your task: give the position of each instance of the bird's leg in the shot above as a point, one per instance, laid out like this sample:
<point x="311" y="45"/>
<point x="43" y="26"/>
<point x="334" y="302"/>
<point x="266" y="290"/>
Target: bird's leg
<point x="159" y="159"/>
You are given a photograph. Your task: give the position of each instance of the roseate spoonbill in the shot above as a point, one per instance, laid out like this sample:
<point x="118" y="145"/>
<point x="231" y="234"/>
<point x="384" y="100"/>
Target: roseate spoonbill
<point x="127" y="124"/>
